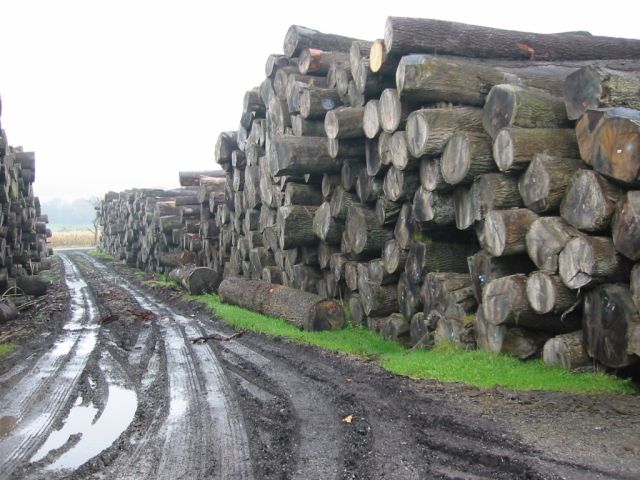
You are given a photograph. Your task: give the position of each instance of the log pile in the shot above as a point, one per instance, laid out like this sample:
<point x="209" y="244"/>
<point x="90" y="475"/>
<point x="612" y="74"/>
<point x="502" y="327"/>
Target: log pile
<point x="486" y="195"/>
<point x="23" y="228"/>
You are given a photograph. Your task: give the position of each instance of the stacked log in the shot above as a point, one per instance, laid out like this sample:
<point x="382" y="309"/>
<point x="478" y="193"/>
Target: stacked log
<point x="23" y="227"/>
<point x="422" y="189"/>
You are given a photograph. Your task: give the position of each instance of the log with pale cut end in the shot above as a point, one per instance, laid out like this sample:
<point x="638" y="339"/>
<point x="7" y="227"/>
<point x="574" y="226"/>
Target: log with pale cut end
<point x="396" y="328"/>
<point x="329" y="184"/>
<point x="349" y="173"/>
<point x="403" y="230"/>
<point x="546" y="238"/>
<point x="384" y="148"/>
<point x="566" y="351"/>
<point x="504" y="301"/>
<point x="372" y="158"/>
<point x="378" y="300"/>
<point x="302" y="155"/>
<point x="431" y="177"/>
<point x="380" y="61"/>
<point x="514" y="148"/>
<point x="368" y="188"/>
<point x="306" y="128"/>
<point x="364" y="234"/>
<point x="428" y="129"/>
<point x="463" y="208"/>
<point x="177" y="258"/>
<point x="400" y="185"/>
<point x="356" y="312"/>
<point x="433" y="207"/>
<point x="316" y="102"/>
<point x="306" y="310"/>
<point x="611" y="326"/>
<point x="349" y="149"/>
<point x="295" y="224"/>
<point x="394" y="257"/>
<point x="387" y="211"/>
<point x="393" y="110"/>
<point x="377" y="273"/>
<point x="8" y="311"/>
<point x="359" y="49"/>
<point x="313" y="61"/>
<point x="616" y="151"/>
<point x="455" y="330"/>
<point x="344" y="122"/>
<point x="351" y="275"/>
<point x="341" y="202"/>
<point x="371" y="121"/>
<point x="505" y="231"/>
<point x="625" y="225"/>
<point x="547" y="294"/>
<point x="325" y="227"/>
<point x="543" y="185"/>
<point x="298" y="38"/>
<point x="404" y="35"/>
<point x="252" y="103"/>
<point x="517" y="342"/>
<point x="196" y="280"/>
<point x="276" y="61"/>
<point x="484" y="267"/>
<point x="278" y="117"/>
<point x="325" y="251"/>
<point x="408" y="297"/>
<point x="517" y="106"/>
<point x="465" y="156"/>
<point x="400" y="157"/>
<point x="598" y="87"/>
<point x="591" y="260"/>
<point x="590" y="201"/>
<point x="492" y="191"/>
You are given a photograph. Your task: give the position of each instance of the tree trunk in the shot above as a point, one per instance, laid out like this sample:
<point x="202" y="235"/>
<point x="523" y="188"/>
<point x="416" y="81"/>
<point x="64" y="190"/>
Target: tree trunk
<point x="355" y="309"/>
<point x="302" y="155"/>
<point x="295" y="224"/>
<point x="306" y="128"/>
<point x="591" y="260"/>
<point x="546" y="238"/>
<point x="306" y="310"/>
<point x="342" y="202"/>
<point x="312" y="61"/>
<point x="316" y="102"/>
<point x="514" y="148"/>
<point x="543" y="185"/>
<point x="505" y="231"/>
<point x="611" y="325"/>
<point x="387" y="211"/>
<point x="589" y="202"/>
<point x="484" y="267"/>
<point x="415" y="35"/>
<point x="463" y="207"/>
<point x="192" y="179"/>
<point x="329" y="183"/>
<point x="566" y="351"/>
<point x="625" y="225"/>
<point x="616" y="152"/>
<point x="396" y="328"/>
<point x="393" y="110"/>
<point x="431" y="177"/>
<point x="465" y="156"/>
<point x="432" y="207"/>
<point x="364" y="234"/>
<point x="196" y="280"/>
<point x="175" y="259"/>
<point x="547" y="294"/>
<point x="368" y="188"/>
<point x="492" y="191"/>
<point x="344" y="122"/>
<point x="8" y="311"/>
<point x="517" y="106"/>
<point x="34" y="285"/>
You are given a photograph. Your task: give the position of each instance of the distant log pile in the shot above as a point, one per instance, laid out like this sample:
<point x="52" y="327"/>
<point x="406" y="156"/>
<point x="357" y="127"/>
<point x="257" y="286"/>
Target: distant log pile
<point x="23" y="227"/>
<point x="449" y="197"/>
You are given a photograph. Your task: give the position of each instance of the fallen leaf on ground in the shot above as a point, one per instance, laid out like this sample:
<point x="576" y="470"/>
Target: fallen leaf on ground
<point x="348" y="419"/>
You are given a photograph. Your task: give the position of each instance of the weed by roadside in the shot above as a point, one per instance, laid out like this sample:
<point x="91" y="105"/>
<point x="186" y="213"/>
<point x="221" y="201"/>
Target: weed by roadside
<point x="6" y="348"/>
<point x="101" y="255"/>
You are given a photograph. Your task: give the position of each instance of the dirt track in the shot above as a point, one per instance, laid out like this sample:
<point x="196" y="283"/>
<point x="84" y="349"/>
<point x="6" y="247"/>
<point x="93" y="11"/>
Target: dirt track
<point x="112" y="387"/>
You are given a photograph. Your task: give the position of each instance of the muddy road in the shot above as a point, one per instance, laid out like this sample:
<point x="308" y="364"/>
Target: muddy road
<point x="112" y="386"/>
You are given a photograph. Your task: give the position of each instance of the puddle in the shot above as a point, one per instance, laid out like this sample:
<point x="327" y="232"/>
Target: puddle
<point x="7" y="424"/>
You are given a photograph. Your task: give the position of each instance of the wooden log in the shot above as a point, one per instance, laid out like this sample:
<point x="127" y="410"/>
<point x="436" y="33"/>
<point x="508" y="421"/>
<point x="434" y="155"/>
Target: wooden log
<point x="377" y="272"/>
<point x="350" y="149"/>
<point x="371" y="120"/>
<point x="278" y="116"/>
<point x="355" y="97"/>
<point x="493" y="191"/>
<point x="351" y="275"/>
<point x="635" y="284"/>
<point x="436" y="256"/>
<point x="625" y="225"/>
<point x="547" y="294"/>
<point x="380" y="61"/>
<point x="387" y="211"/>
<point x="349" y="173"/>
<point x="275" y="61"/>
<point x="306" y="128"/>
<point x="589" y="202"/>
<point x="543" y="185"/>
<point x="616" y="151"/>
<point x="484" y="267"/>
<point x="455" y="330"/>
<point x="400" y="157"/>
<point x="364" y="234"/>
<point x="302" y="194"/>
<point x="510" y="105"/>
<point x="400" y="185"/>
<point x="8" y="311"/>
<point x="176" y="258"/>
<point x="403" y="230"/>
<point x="505" y="231"/>
<point x="368" y="188"/>
<point x="34" y="285"/>
<point x="302" y="155"/>
<point x="359" y="49"/>
<point x="325" y="227"/>
<point x="463" y="208"/>
<point x="432" y="207"/>
<point x="414" y="35"/>
<point x="192" y="178"/>
<point x="344" y="122"/>
<point x="342" y="202"/>
<point x="546" y="238"/>
<point x="298" y="38"/>
<point x="313" y="61"/>
<point x="611" y="325"/>
<point x="356" y="311"/>
<point x="591" y="260"/>
<point x="316" y="102"/>
<point x="514" y="148"/>
<point x="597" y="87"/>
<point x="393" y="110"/>
<point x="306" y="310"/>
<point x="272" y="274"/>
<point x="225" y="145"/>
<point x="431" y="178"/>
<point x="196" y="280"/>
<point x="566" y="351"/>
<point x="465" y="156"/>
<point x="329" y="183"/>
<point x="378" y="300"/>
<point x="396" y="329"/>
<point x="295" y="223"/>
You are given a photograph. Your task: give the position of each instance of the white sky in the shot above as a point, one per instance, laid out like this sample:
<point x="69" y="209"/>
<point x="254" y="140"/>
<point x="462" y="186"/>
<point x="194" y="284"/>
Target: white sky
<point x="120" y="94"/>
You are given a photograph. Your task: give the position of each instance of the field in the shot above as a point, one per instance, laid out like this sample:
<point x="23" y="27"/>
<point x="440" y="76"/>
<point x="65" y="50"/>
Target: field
<point x="78" y="238"/>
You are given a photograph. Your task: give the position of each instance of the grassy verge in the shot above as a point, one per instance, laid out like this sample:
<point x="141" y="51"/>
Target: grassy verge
<point x="102" y="255"/>
<point x="447" y="363"/>
<point x="6" y="348"/>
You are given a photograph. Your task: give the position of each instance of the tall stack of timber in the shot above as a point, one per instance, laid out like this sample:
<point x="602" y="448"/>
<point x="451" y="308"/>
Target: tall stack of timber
<point x="23" y="227"/>
<point x="449" y="197"/>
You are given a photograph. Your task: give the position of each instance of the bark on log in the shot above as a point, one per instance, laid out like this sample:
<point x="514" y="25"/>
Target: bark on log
<point x="368" y="188"/>
<point x="635" y="284"/>
<point x="192" y="178"/>
<point x="316" y="102"/>
<point x="176" y="259"/>
<point x="356" y="311"/>
<point x="350" y="149"/>
<point x="306" y="310"/>
<point x="196" y="280"/>
<point x="344" y="122"/>
<point x="546" y="238"/>
<point x="325" y="227"/>
<point x="301" y="194"/>
<point x="625" y="225"/>
<point x="465" y="156"/>
<point x="431" y="177"/>
<point x="364" y="234"/>
<point x="434" y="208"/>
<point x="566" y="351"/>
<point x="505" y="231"/>
<point x="396" y="328"/>
<point x="306" y="128"/>
<point x="299" y="38"/>
<point x="393" y="110"/>
<point x="400" y="185"/>
<point x="313" y="61"/>
<point x="32" y="285"/>
<point x="295" y="224"/>
<point x="378" y="300"/>
<point x="394" y="257"/>
<point x="492" y="191"/>
<point x="387" y="211"/>
<point x="547" y="294"/>
<point x="484" y="268"/>
<point x="302" y="155"/>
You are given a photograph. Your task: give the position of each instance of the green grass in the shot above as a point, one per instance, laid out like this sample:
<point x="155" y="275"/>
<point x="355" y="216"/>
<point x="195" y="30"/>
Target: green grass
<point x="101" y="255"/>
<point x="6" y="348"/>
<point x="447" y="363"/>
<point x="161" y="280"/>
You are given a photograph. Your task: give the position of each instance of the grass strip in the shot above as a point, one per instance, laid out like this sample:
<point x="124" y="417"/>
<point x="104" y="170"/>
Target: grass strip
<point x="6" y="348"/>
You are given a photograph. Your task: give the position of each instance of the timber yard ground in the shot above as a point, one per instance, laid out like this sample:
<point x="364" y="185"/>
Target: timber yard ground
<point x="105" y="382"/>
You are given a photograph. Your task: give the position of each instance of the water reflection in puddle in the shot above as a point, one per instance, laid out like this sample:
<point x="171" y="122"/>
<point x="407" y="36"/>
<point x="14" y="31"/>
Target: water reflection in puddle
<point x="7" y="424"/>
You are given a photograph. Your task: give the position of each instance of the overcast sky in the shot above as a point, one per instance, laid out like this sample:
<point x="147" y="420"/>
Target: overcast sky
<point x="120" y="94"/>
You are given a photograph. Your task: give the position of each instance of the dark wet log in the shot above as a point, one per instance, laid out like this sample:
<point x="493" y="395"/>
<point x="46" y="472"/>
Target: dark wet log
<point x="394" y="257"/>
<point x="493" y="191"/>
<point x="611" y="326"/>
<point x="312" y="61"/>
<point x="415" y="35"/>
<point x="421" y="331"/>
<point x="431" y="178"/>
<point x="400" y="157"/>
<point x="35" y="285"/>
<point x="378" y="274"/>
<point x="505" y="231"/>
<point x="368" y="188"/>
<point x="484" y="267"/>
<point x="463" y="208"/>
<point x="329" y="183"/>
<point x="298" y="38"/>
<point x="225" y="145"/>
<point x="266" y="90"/>
<point x="396" y="328"/>
<point x="635" y="284"/>
<point x="517" y="106"/>
<point x="546" y="238"/>
<point x="356" y="312"/>
<point x="260" y="257"/>
<point x="295" y="224"/>
<point x="364" y="234"/>
<point x="514" y="148"/>
<point x="275" y="61"/>
<point x="316" y="102"/>
<point x="429" y="129"/>
<point x="325" y="227"/>
<point x="387" y="211"/>
<point x="384" y="148"/>
<point x="591" y="260"/>
<point x="598" y="87"/>
<point x="403" y="230"/>
<point x="351" y="275"/>
<point x="589" y="202"/>
<point x="196" y="280"/>
<point x="393" y="110"/>
<point x="306" y="310"/>
<point x="456" y="330"/>
<point x="349" y="149"/>
<point x="8" y="311"/>
<point x="371" y="121"/>
<point x="451" y="294"/>
<point x="566" y="351"/>
<point x="465" y="156"/>
<point x="252" y="104"/>
<point x="344" y="122"/>
<point x="436" y="256"/>
<point x="378" y="300"/>
<point x="432" y="207"/>
<point x="272" y="274"/>
<point x="400" y="185"/>
<point x="625" y="225"/>
<point x="306" y="128"/>
<point x="341" y="202"/>
<point x="349" y="173"/>
<point x="176" y="258"/>
<point x="302" y="194"/>
<point x="547" y="294"/>
<point x="192" y="179"/>
<point x="504" y="301"/>
<point x="408" y="297"/>
<point x="302" y="155"/>
<point x="543" y="185"/>
<point x="517" y="342"/>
